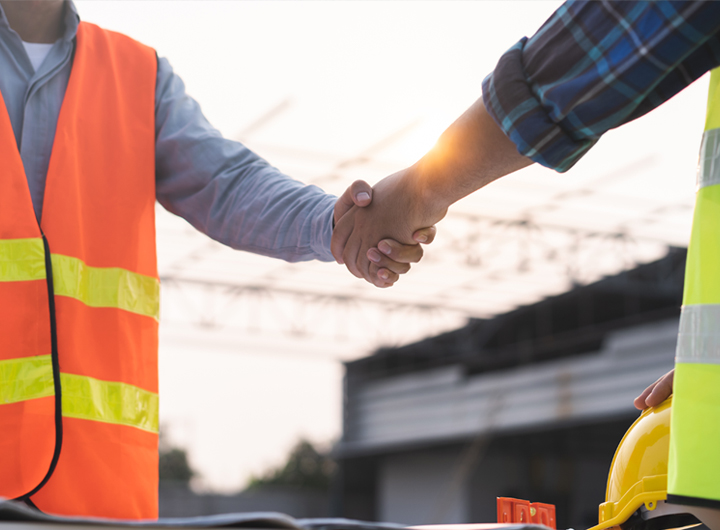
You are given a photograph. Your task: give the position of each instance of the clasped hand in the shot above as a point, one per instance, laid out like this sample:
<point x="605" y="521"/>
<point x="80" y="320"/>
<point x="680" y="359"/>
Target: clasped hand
<point x="377" y="231"/>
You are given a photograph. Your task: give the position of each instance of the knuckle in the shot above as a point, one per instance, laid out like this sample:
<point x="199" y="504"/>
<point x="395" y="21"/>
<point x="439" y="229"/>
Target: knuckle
<point x="359" y="185"/>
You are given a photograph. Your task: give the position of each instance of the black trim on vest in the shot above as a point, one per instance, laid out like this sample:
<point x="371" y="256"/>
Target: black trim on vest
<point x="31" y="504"/>
<point x="56" y="377"/>
<point x="675" y="520"/>
<point x="693" y="501"/>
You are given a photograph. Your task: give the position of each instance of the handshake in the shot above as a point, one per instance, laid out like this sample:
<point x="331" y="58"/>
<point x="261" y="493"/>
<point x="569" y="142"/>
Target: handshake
<point x="377" y="232"/>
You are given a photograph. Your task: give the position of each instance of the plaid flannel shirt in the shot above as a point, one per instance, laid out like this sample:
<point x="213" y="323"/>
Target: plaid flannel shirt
<point x="594" y="66"/>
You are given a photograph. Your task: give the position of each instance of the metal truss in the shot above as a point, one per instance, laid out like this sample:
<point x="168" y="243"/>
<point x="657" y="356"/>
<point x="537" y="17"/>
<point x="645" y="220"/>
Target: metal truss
<point x="498" y="247"/>
<point x="495" y="265"/>
<point x="318" y="324"/>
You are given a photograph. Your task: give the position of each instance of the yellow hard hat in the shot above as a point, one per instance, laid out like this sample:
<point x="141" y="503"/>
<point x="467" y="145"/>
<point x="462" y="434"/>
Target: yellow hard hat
<point x="638" y="473"/>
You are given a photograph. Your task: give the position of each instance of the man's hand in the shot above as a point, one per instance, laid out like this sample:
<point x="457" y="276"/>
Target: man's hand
<point x="394" y="222"/>
<point x="391" y="258"/>
<point x="656" y="393"/>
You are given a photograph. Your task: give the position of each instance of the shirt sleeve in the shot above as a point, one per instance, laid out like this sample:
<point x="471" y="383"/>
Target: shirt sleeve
<point x="593" y="66"/>
<point x="228" y="192"/>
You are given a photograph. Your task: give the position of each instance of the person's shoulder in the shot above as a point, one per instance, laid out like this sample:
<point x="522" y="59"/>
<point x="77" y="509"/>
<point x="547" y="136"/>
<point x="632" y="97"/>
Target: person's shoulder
<point x="97" y="34"/>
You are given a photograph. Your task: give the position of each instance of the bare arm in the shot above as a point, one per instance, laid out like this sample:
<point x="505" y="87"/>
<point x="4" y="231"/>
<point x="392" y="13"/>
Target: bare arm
<point x="470" y="154"/>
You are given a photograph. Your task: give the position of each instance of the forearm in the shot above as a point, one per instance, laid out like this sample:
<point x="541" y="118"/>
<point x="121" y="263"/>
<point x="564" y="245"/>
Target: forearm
<point x="260" y="210"/>
<point x="470" y="154"/>
<point x="227" y="191"/>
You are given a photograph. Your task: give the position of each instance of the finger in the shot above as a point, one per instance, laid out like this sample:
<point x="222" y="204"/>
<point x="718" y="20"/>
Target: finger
<point x="383" y="274"/>
<point x="661" y="391"/>
<point x="384" y="284"/>
<point x="362" y="264"/>
<point x="400" y="253"/>
<point x="341" y="233"/>
<point x="350" y="256"/>
<point x="425" y="235"/>
<point x="639" y="401"/>
<point x="359" y="193"/>
<point x="382" y="277"/>
<point x="381" y="261"/>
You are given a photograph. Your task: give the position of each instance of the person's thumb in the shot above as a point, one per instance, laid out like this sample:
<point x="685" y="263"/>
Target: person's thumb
<point x="359" y="193"/>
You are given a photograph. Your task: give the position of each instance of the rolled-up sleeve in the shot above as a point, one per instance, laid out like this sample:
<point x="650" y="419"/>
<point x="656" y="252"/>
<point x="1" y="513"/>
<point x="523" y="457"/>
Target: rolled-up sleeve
<point x="594" y="66"/>
<point x="227" y="191"/>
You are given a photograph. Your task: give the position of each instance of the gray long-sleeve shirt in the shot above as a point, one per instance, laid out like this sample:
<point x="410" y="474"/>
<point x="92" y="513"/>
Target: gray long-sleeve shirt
<point x="221" y="187"/>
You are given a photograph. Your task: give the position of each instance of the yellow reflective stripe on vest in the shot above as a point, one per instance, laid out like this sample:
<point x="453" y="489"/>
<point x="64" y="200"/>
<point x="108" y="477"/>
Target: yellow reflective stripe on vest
<point x="109" y="402"/>
<point x="83" y="397"/>
<point x="22" y="260"/>
<point x="26" y="378"/>
<point x="702" y="276"/>
<point x="699" y="334"/>
<point x="106" y="286"/>
<point x="709" y="165"/>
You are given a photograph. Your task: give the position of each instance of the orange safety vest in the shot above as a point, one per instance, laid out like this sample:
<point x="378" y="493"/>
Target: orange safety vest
<point x="79" y="296"/>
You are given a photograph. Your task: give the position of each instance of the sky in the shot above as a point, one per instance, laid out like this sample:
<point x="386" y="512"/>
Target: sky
<point x="346" y="76"/>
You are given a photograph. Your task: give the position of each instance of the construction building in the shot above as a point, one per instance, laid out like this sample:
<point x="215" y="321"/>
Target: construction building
<point x="529" y="404"/>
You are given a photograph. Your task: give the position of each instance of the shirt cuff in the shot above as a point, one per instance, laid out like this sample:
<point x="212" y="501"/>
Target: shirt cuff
<point x="322" y="231"/>
<point x="510" y="100"/>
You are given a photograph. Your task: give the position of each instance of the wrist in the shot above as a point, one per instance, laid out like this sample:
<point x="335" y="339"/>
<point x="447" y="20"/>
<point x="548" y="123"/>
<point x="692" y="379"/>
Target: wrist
<point x="470" y="154"/>
<point x="429" y="192"/>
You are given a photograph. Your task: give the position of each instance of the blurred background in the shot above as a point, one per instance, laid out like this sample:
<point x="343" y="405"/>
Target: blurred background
<point x="504" y="364"/>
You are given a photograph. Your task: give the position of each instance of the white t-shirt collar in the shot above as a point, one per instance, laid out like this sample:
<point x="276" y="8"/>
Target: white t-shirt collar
<point x="37" y="52"/>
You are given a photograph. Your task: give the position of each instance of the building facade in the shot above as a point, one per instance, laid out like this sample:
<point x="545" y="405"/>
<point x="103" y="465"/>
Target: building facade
<point x="529" y="404"/>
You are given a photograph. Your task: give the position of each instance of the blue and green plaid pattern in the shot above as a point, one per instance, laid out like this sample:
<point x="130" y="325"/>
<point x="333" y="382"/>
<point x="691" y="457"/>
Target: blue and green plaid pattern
<point x="594" y="66"/>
